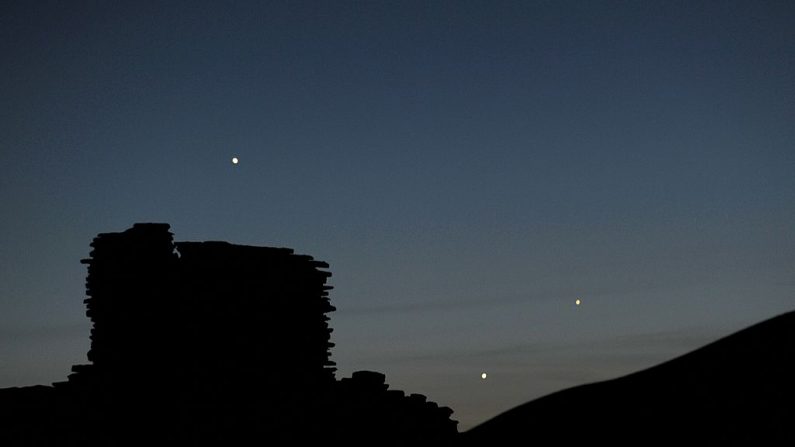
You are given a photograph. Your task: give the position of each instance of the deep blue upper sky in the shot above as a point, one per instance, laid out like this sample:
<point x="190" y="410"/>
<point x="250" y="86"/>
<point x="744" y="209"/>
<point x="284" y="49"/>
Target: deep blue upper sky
<point x="468" y="169"/>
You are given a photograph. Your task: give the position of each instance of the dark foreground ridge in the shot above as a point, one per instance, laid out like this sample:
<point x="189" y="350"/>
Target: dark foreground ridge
<point x="210" y="343"/>
<point x="739" y="390"/>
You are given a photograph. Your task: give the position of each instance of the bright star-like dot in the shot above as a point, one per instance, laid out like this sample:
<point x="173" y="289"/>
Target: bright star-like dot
<point x="483" y="376"/>
<point x="578" y="302"/>
<point x="235" y="160"/>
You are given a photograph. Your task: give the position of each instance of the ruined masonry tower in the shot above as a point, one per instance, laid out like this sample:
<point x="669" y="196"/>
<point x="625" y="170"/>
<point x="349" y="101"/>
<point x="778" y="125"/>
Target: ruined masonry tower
<point x="206" y="344"/>
<point x="166" y="312"/>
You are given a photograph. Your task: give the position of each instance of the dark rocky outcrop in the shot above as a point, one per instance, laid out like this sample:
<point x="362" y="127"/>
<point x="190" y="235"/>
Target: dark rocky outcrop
<point x="210" y="343"/>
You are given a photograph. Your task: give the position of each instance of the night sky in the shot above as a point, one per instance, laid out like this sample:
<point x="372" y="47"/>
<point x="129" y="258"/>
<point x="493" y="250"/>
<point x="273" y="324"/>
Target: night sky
<point x="468" y="170"/>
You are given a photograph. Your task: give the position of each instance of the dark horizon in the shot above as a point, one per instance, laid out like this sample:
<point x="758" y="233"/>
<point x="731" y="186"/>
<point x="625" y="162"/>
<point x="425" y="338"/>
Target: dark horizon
<point x="468" y="170"/>
<point x="208" y="343"/>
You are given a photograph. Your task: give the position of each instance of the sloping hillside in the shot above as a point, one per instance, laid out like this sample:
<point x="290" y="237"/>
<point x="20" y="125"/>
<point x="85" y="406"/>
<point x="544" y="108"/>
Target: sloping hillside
<point x="739" y="389"/>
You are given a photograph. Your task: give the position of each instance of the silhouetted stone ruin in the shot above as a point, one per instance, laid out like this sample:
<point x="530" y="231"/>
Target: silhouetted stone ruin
<point x="210" y="343"/>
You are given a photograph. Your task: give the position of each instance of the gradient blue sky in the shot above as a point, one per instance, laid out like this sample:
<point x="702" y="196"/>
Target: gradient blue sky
<point x="468" y="169"/>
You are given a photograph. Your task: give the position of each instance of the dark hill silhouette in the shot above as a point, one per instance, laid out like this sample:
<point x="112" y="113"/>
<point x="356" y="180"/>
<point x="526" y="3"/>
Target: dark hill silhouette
<point x="210" y="344"/>
<point x="739" y="390"/>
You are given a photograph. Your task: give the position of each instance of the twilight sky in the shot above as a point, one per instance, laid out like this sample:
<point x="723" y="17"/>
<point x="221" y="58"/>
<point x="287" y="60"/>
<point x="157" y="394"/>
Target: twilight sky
<point x="468" y="170"/>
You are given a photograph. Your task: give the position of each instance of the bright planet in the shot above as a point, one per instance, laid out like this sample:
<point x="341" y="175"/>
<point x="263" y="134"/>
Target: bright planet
<point x="235" y="160"/>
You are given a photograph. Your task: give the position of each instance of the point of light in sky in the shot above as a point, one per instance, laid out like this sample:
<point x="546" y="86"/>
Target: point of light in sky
<point x="578" y="302"/>
<point x="483" y="376"/>
<point x="235" y="160"/>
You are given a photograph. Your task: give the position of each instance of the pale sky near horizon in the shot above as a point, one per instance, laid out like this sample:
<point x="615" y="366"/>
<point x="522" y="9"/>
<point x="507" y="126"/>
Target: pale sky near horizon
<point x="467" y="169"/>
